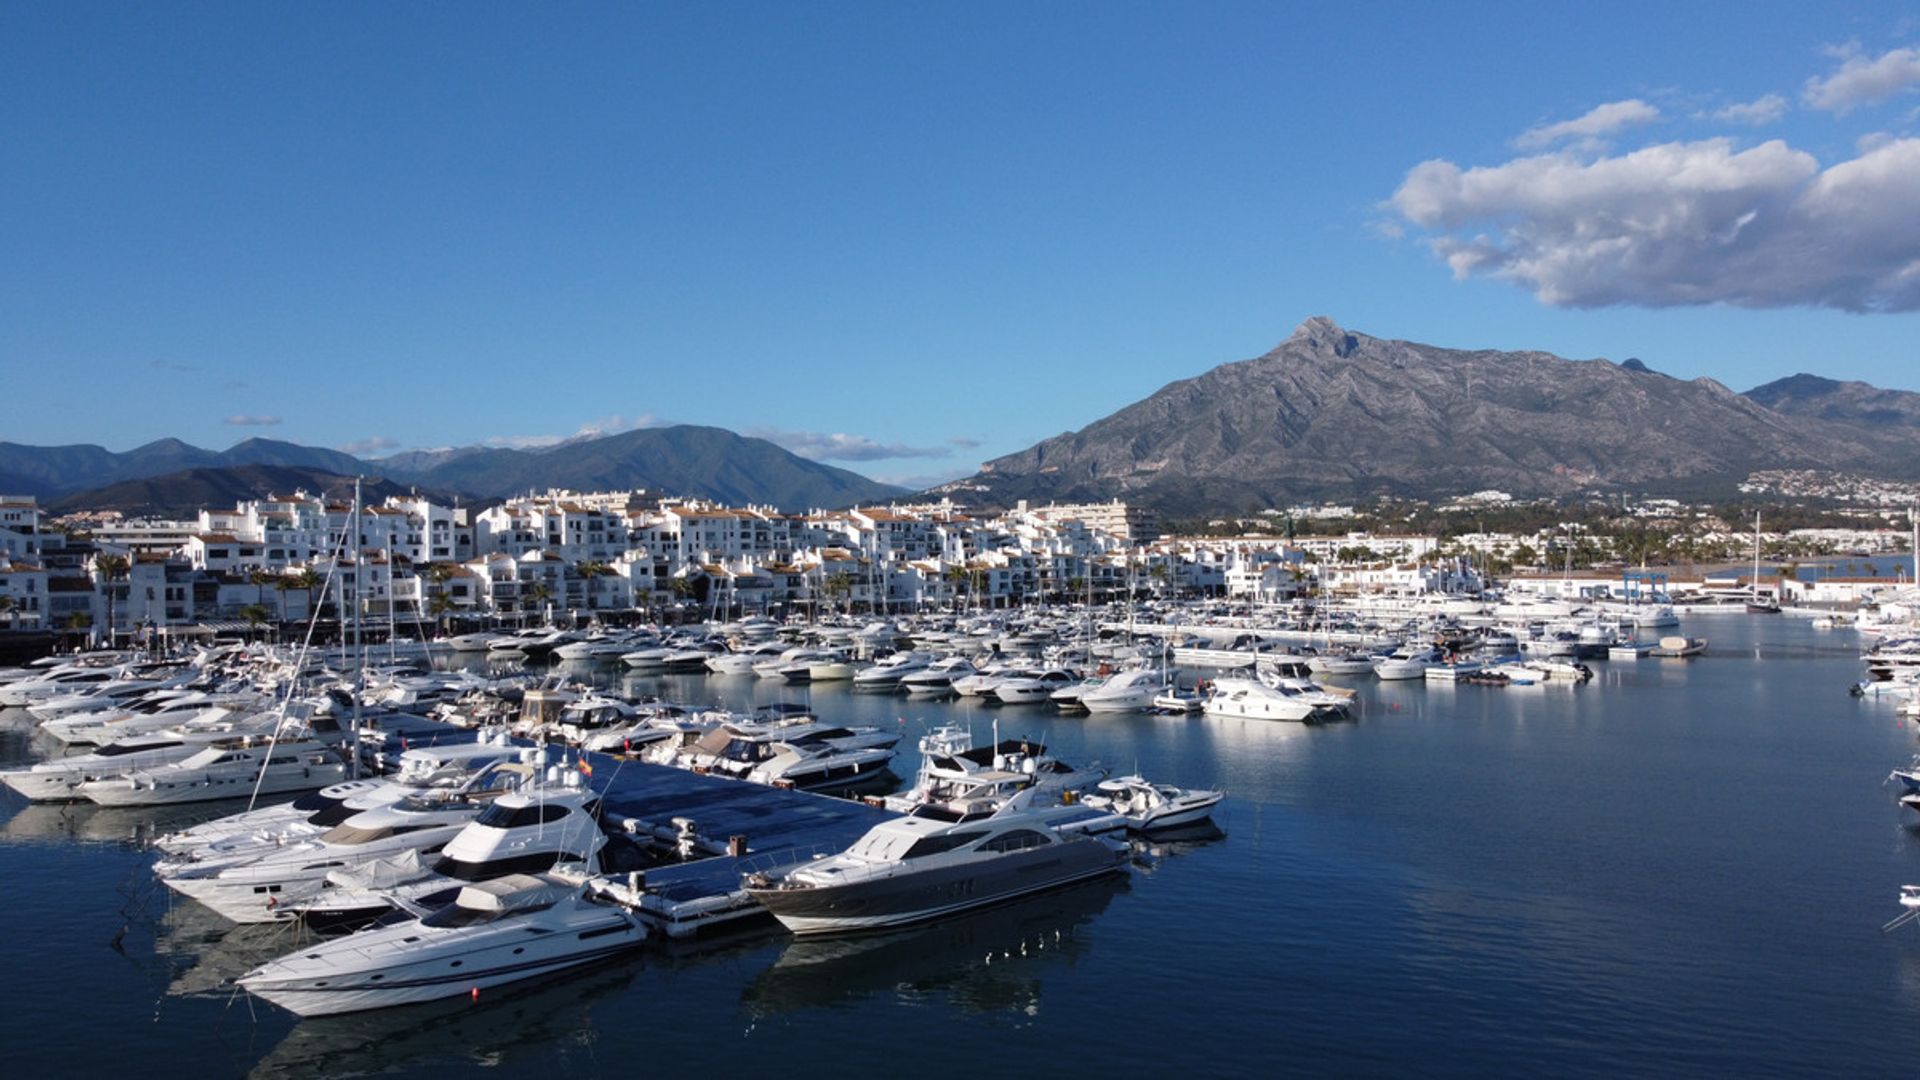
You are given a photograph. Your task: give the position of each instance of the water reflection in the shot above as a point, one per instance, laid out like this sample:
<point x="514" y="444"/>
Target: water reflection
<point x="539" y="1024"/>
<point x="990" y="961"/>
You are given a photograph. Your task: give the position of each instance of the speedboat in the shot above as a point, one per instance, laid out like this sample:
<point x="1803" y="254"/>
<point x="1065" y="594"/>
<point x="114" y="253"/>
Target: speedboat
<point x="1148" y="806"/>
<point x="490" y="934"/>
<point x="931" y="863"/>
<point x="1406" y="662"/>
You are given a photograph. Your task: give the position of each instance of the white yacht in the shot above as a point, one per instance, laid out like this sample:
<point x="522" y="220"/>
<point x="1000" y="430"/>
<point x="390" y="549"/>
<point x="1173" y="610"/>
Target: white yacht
<point x="937" y="678"/>
<point x="249" y="882"/>
<point x="886" y="674"/>
<point x="1131" y="690"/>
<point x="532" y="830"/>
<point x="227" y="769"/>
<point x="953" y="769"/>
<point x="1148" y="806"/>
<point x="932" y="863"/>
<point x="1406" y="662"/>
<point x="1029" y="688"/>
<point x="802" y="753"/>
<point x="490" y="934"/>
<point x="1258" y="698"/>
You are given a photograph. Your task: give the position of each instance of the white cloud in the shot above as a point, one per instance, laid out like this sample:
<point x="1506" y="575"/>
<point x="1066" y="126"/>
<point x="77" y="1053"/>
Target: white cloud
<point x="1757" y="113"/>
<point x="615" y="425"/>
<point x="841" y="447"/>
<point x="1601" y="120"/>
<point x="372" y="444"/>
<point x="1683" y="223"/>
<point x="244" y="420"/>
<point x="1863" y="81"/>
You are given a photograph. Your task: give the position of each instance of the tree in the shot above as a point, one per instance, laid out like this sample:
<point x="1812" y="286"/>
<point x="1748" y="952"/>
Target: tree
<point x="840" y="583"/>
<point x="534" y="596"/>
<point x="591" y="571"/>
<point x="8" y="607"/>
<point x="436" y="575"/>
<point x="111" y="568"/>
<point x="309" y="582"/>
<point x="439" y="606"/>
<point x="255" y="614"/>
<point x="260" y="577"/>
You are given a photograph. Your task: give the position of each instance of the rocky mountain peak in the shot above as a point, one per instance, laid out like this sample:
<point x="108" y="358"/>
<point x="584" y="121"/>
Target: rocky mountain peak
<point x="1324" y="335"/>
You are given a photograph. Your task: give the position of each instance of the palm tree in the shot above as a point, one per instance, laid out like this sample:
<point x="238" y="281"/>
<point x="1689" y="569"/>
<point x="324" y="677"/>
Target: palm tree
<point x="7" y="608"/>
<point x="956" y="576"/>
<point x="111" y="568"/>
<point x="590" y="571"/>
<point x="533" y="596"/>
<point x="255" y="614"/>
<point x="307" y="581"/>
<point x="437" y="574"/>
<point x="840" y="583"/>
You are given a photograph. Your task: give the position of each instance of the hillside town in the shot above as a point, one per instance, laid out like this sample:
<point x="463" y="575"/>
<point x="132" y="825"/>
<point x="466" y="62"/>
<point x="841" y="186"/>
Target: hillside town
<point x="409" y="566"/>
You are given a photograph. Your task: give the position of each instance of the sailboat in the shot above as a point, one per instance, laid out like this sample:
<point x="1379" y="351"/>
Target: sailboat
<point x="1756" y="604"/>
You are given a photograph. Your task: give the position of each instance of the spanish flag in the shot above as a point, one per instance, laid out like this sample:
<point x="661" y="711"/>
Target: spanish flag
<point x="586" y="768"/>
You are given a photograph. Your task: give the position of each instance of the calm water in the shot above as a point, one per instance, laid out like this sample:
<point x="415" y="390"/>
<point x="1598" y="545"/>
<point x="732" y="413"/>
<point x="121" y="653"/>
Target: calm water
<point x="1679" y="868"/>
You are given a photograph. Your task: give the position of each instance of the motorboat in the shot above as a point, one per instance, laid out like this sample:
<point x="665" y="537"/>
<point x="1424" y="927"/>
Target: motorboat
<point x="529" y="831"/>
<point x="953" y="768"/>
<point x="932" y="862"/>
<point x="1406" y="662"/>
<point x="1257" y="698"/>
<point x="1130" y="690"/>
<point x="225" y="769"/>
<point x="886" y="674"/>
<point x="1173" y="699"/>
<point x="249" y="882"/>
<point x="491" y="933"/>
<point x="801" y="753"/>
<point x="1349" y="663"/>
<point x="1030" y="688"/>
<point x="937" y="678"/>
<point x="1148" y="806"/>
<point x="420" y="769"/>
<point x="743" y="661"/>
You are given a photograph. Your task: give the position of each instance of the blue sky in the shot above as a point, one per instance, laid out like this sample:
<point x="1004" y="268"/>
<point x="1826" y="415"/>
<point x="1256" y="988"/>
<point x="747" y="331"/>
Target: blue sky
<point x="904" y="238"/>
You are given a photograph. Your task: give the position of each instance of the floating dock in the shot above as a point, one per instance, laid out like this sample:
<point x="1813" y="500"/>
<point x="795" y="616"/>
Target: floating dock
<point x="742" y="827"/>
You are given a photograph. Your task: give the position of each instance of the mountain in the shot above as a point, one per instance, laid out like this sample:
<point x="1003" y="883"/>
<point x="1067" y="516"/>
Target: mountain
<point x="1844" y="402"/>
<point x="701" y="461"/>
<point x="1332" y="413"/>
<point x="709" y="462"/>
<point x="48" y="472"/>
<point x="182" y="494"/>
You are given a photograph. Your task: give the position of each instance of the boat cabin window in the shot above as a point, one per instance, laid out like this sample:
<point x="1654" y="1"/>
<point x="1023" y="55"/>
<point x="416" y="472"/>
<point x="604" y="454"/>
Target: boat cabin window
<point x="115" y="749"/>
<point x="503" y="816"/>
<point x="1016" y="840"/>
<point x="934" y="845"/>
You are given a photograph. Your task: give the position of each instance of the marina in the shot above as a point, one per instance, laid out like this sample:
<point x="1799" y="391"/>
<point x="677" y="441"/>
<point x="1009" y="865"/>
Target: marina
<point x="1446" y="853"/>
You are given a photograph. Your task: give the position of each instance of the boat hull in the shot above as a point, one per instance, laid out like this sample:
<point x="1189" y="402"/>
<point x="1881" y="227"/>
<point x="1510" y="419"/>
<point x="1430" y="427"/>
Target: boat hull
<point x="903" y="899"/>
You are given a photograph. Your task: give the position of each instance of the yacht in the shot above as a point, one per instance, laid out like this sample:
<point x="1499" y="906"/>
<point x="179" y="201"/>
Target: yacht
<point x="1269" y="699"/>
<point x="953" y="769"/>
<point x="527" y="831"/>
<point x="420" y="769"/>
<point x="1029" y="688"/>
<point x="937" y="678"/>
<point x="932" y="863"/>
<point x="886" y="674"/>
<point x="1131" y="690"/>
<point x="489" y="934"/>
<point x="1148" y="806"/>
<point x="1406" y="662"/>
<point x="249" y="882"/>
<point x="801" y="753"/>
<point x="744" y="661"/>
<point x="226" y="769"/>
<point x="59" y="779"/>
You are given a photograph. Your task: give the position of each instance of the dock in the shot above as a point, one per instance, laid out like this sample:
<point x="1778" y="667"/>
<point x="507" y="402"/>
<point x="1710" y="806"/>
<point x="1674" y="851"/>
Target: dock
<point x="741" y="827"/>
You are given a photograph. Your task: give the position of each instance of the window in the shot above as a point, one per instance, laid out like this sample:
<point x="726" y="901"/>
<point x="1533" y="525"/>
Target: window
<point x="934" y="845"/>
<point x="1017" y="840"/>
<point x="502" y="816"/>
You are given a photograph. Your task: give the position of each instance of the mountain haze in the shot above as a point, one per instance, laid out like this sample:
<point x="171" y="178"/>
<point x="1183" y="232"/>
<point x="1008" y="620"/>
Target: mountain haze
<point x="1333" y="413"/>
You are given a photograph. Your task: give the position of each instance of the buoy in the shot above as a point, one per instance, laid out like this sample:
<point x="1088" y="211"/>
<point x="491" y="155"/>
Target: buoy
<point x="476" y="993"/>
